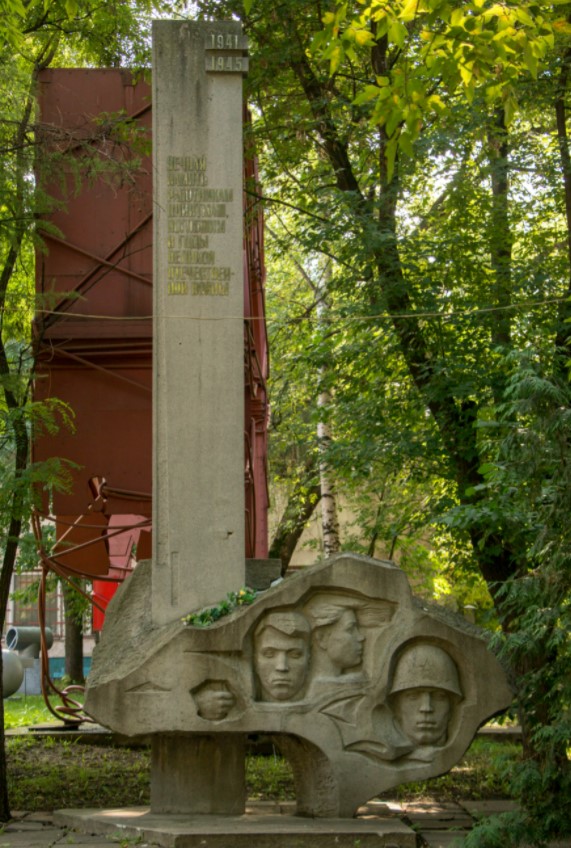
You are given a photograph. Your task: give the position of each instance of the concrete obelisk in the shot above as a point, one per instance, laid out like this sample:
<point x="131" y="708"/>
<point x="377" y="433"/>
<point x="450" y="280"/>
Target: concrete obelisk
<point x="198" y="488"/>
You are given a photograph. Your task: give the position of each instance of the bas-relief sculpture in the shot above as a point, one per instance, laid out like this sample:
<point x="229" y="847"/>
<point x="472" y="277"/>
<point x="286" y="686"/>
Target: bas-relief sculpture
<point x="423" y="694"/>
<point x="281" y="656"/>
<point x="360" y="686"/>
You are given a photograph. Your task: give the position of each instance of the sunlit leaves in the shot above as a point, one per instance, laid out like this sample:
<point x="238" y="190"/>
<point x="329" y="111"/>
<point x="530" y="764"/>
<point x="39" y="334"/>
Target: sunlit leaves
<point x="12" y="13"/>
<point x="438" y="47"/>
<point x="71" y="8"/>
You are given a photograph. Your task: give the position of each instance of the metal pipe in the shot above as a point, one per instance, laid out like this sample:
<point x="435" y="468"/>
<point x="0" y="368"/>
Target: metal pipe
<point x="27" y="640"/>
<point x="12" y="673"/>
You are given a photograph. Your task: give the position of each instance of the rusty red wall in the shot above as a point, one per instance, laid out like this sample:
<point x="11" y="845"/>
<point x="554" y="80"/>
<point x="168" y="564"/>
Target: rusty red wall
<point x="95" y="347"/>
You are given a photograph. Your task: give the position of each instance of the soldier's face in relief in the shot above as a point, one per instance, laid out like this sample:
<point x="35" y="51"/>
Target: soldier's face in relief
<point x="343" y="641"/>
<point x="423" y="714"/>
<point x="281" y="663"/>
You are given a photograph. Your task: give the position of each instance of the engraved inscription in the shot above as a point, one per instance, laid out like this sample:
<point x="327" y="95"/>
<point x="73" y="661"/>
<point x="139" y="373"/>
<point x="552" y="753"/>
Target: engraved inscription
<point x="196" y="214"/>
<point x="217" y="289"/>
<point x="222" y="63"/>
<point x="226" y="41"/>
<point x="221" y="49"/>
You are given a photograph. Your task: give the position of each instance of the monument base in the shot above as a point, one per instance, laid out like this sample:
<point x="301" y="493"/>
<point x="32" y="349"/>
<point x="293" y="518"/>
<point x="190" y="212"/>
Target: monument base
<point x="198" y="774"/>
<point x="257" y="827"/>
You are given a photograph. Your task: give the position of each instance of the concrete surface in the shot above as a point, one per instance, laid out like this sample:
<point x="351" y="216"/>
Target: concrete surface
<point x="198" y="345"/>
<point x="418" y="825"/>
<point x="365" y="688"/>
<point x="264" y="830"/>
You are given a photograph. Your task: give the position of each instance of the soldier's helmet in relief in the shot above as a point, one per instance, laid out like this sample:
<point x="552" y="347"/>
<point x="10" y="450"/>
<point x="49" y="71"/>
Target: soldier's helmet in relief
<point x="426" y="666"/>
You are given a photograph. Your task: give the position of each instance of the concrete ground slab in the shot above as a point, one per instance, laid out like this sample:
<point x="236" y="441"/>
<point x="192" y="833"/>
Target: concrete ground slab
<point x="265" y="831"/>
<point x="489" y="808"/>
<point x="11" y="837"/>
<point x="27" y="825"/>
<point x="437" y="817"/>
<point x="443" y="839"/>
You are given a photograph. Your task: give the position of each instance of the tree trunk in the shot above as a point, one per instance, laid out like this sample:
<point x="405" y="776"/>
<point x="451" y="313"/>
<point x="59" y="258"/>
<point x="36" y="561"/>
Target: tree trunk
<point x="298" y="511"/>
<point x="73" y="637"/>
<point x="8" y="563"/>
<point x="329" y="518"/>
<point x="563" y="335"/>
<point x="4" y="802"/>
<point x="500" y="236"/>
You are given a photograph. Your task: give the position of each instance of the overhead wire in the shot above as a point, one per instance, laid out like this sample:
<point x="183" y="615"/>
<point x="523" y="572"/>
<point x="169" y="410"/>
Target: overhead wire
<point x="332" y="316"/>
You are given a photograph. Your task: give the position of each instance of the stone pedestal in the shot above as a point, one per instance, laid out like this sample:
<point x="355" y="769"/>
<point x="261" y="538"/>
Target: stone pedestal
<point x="253" y="829"/>
<point x="196" y="774"/>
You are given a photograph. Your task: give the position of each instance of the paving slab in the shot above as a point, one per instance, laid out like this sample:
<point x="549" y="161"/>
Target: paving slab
<point x="19" y="816"/>
<point x="439" y="817"/>
<point x="265" y="831"/>
<point x="26" y="825"/>
<point x="439" y="825"/>
<point x="489" y="808"/>
<point x="443" y="839"/>
<point x="12" y="838"/>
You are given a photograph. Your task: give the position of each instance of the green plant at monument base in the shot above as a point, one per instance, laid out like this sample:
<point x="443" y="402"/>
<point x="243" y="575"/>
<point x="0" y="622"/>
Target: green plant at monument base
<point x="210" y="615"/>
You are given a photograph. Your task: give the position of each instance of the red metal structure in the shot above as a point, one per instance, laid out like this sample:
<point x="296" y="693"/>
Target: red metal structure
<point x="93" y="326"/>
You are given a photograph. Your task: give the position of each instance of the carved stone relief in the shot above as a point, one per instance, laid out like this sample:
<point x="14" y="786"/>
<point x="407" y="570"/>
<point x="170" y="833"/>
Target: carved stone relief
<point x="423" y="694"/>
<point x="362" y="687"/>
<point x="281" y="656"/>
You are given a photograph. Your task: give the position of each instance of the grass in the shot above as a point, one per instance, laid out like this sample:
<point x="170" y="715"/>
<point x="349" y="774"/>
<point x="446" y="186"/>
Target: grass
<point x="46" y="772"/>
<point x="480" y="774"/>
<point x="49" y="773"/>
<point x="25" y="711"/>
<point x="269" y="778"/>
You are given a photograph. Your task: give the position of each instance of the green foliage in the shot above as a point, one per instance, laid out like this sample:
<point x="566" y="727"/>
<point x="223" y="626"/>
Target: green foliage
<point x="438" y="51"/>
<point x="36" y="35"/>
<point x="415" y="145"/>
<point x="20" y="711"/>
<point x="482" y="773"/>
<point x="528" y="486"/>
<point x="269" y="778"/>
<point x="206" y="617"/>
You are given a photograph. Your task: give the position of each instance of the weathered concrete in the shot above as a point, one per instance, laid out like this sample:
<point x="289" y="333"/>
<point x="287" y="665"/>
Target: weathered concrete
<point x="198" y="477"/>
<point x="260" y="573"/>
<point x="263" y="831"/>
<point x="198" y="774"/>
<point x="360" y="685"/>
<point x="198" y="404"/>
